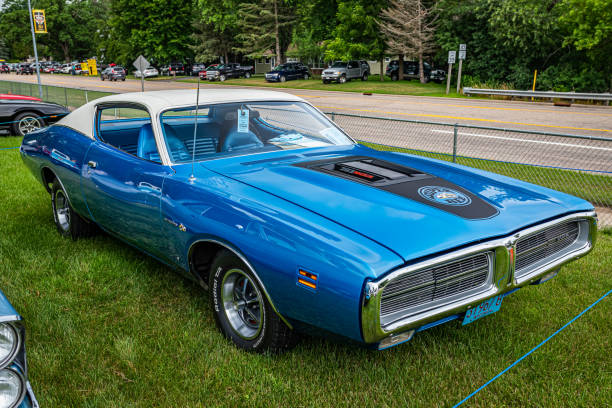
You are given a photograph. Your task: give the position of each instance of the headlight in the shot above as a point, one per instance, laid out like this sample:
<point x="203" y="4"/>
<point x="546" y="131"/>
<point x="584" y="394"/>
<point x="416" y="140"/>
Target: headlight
<point x="9" y="344"/>
<point x="12" y="388"/>
<point x="337" y="72"/>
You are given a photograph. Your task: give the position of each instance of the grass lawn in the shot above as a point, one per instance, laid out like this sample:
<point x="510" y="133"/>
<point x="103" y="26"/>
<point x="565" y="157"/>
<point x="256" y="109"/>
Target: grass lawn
<point x="109" y="327"/>
<point x="372" y="85"/>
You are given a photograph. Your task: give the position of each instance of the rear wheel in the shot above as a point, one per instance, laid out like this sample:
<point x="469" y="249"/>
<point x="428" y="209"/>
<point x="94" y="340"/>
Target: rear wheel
<point x="394" y="77"/>
<point x="365" y="76"/>
<point x="306" y="76"/>
<point x="27" y="122"/>
<point x="68" y="222"/>
<point x="241" y="309"/>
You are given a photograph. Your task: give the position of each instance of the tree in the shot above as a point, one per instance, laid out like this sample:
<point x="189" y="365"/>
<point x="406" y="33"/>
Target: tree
<point x="409" y="28"/>
<point x="158" y="30"/>
<point x="216" y="29"/>
<point x="356" y="35"/>
<point x="266" y="25"/>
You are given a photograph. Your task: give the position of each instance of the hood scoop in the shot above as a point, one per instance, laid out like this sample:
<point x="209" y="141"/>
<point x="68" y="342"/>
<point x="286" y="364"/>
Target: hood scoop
<point x="367" y="170"/>
<point x="406" y="182"/>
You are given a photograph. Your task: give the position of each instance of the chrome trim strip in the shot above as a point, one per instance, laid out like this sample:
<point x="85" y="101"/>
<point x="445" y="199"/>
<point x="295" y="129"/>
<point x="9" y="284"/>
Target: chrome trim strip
<point x="248" y="264"/>
<point x="502" y="276"/>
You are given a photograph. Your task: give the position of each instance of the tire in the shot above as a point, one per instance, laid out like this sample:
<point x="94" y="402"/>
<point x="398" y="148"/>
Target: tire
<point x="394" y="77"/>
<point x="247" y="75"/>
<point x="365" y="76"/>
<point x="27" y="122"/>
<point x="342" y="79"/>
<point x="123" y="79"/>
<point x="325" y="81"/>
<point x="102" y="78"/>
<point x="306" y="77"/>
<point x="68" y="223"/>
<point x="241" y="309"/>
<point x="282" y="78"/>
<point x="222" y="78"/>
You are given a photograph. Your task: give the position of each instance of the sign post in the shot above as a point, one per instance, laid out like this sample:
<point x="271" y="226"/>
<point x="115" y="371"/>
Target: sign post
<point x="141" y="64"/>
<point x="451" y="61"/>
<point x="461" y="58"/>
<point x="41" y="27"/>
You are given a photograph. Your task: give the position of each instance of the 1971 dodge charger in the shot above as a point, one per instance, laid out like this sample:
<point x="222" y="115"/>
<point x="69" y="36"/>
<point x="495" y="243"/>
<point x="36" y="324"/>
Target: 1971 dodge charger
<point x="293" y="226"/>
<point x="15" y="389"/>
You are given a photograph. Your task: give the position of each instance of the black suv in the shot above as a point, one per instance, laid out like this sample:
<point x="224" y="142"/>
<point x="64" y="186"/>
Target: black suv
<point x="176" y="68"/>
<point x="113" y="73"/>
<point x="24" y="69"/>
<point x="290" y="70"/>
<point x="411" y="71"/>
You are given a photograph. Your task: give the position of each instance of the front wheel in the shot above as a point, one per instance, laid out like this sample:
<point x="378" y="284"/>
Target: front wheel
<point x="247" y="75"/>
<point x="222" y="78"/>
<point x="306" y="77"/>
<point x="241" y="309"/>
<point x="68" y="222"/>
<point x="394" y="77"/>
<point x="27" y="122"/>
<point x="283" y="78"/>
<point x="342" y="79"/>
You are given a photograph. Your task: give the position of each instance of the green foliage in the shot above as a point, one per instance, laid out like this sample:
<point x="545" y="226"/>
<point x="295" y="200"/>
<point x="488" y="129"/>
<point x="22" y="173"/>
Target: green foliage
<point x="356" y="35"/>
<point x="159" y="30"/>
<point x="215" y="29"/>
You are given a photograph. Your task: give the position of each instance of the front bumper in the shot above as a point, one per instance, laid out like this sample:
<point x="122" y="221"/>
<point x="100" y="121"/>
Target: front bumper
<point x="330" y="77"/>
<point x="272" y="78"/>
<point x="501" y="280"/>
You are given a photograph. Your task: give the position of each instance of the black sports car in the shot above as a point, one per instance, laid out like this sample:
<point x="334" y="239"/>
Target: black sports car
<point x="24" y="116"/>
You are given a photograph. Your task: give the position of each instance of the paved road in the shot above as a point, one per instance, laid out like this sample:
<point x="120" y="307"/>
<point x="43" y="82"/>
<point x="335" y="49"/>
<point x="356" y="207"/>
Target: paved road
<point x="544" y="117"/>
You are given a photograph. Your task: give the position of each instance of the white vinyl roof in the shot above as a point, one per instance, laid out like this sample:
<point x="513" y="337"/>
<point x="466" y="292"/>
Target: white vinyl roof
<point x="82" y="119"/>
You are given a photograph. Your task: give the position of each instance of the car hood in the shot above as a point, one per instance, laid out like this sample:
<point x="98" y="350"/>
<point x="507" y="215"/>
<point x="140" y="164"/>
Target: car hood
<point x="395" y="216"/>
<point x="7" y="312"/>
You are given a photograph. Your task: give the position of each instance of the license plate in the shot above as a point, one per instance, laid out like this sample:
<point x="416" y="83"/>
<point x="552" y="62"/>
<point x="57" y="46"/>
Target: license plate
<point x="485" y="308"/>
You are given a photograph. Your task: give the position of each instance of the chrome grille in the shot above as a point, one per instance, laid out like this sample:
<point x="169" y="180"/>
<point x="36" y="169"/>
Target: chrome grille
<point x="428" y="285"/>
<point x="544" y="244"/>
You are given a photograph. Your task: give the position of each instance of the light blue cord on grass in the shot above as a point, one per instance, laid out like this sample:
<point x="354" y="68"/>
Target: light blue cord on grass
<point x="530" y="351"/>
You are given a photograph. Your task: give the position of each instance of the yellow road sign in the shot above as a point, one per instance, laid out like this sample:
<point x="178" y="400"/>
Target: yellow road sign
<point x="93" y="68"/>
<point x="40" y="22"/>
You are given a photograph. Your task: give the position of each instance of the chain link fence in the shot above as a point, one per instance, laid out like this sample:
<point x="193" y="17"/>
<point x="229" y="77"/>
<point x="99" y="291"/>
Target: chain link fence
<point x="71" y="98"/>
<point x="577" y="165"/>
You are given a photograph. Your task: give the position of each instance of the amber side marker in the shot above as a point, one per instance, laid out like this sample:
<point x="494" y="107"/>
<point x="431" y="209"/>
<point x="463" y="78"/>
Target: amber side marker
<point x="308" y="275"/>
<point x="306" y="283"/>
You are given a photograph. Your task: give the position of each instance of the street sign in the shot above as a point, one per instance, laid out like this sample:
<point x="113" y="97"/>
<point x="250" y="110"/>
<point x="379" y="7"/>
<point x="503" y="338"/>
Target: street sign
<point x="141" y="64"/>
<point x="461" y="55"/>
<point x="40" y="23"/>
<point x="462" y="47"/>
<point x="451" y="57"/>
<point x="92" y="65"/>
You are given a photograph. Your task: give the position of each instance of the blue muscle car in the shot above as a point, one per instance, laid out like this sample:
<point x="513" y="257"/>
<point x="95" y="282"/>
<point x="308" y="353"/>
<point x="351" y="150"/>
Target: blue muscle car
<point x="15" y="389"/>
<point x="291" y="225"/>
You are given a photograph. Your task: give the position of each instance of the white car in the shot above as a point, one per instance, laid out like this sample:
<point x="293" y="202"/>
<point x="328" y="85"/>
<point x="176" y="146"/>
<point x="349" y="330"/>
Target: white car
<point x="148" y="73"/>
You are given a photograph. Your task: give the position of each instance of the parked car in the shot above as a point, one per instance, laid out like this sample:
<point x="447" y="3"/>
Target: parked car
<point x="173" y="69"/>
<point x="291" y="225"/>
<point x="65" y="68"/>
<point x="15" y="387"/>
<point x="150" y="72"/>
<point x="5" y="69"/>
<point x="438" y="75"/>
<point x="341" y="71"/>
<point x="226" y="71"/>
<point x="288" y="71"/>
<point x="115" y="73"/>
<point x="211" y="67"/>
<point x="196" y="69"/>
<point x="77" y="69"/>
<point x="23" y="114"/>
<point x="24" y="69"/>
<point x="411" y="71"/>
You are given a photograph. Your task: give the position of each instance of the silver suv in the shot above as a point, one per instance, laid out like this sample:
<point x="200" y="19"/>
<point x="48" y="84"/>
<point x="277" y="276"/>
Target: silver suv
<point x="341" y="71"/>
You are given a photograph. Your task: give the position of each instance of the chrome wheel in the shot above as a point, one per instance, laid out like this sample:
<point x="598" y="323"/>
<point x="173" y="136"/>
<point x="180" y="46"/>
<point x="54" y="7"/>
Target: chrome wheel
<point x="61" y="210"/>
<point x="29" y="124"/>
<point x="342" y="79"/>
<point x="242" y="304"/>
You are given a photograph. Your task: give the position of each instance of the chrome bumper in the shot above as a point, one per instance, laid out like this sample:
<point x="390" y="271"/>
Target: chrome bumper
<point x="501" y="280"/>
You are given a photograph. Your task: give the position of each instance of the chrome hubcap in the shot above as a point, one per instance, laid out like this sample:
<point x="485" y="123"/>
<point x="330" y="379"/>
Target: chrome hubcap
<point x="242" y="304"/>
<point x="29" y="124"/>
<point x="62" y="210"/>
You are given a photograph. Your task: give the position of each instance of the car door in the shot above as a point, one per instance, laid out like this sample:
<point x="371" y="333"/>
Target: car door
<point x="122" y="176"/>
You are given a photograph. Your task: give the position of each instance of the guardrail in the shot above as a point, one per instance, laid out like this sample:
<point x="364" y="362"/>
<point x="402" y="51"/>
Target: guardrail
<point x="540" y="94"/>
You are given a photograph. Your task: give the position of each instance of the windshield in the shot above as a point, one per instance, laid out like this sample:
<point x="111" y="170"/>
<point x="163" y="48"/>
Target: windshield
<point x="339" y="64"/>
<point x="219" y="66"/>
<point x="280" y="67"/>
<point x="246" y="128"/>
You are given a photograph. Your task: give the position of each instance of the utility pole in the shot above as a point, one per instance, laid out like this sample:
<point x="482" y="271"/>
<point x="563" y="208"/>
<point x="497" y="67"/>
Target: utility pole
<point x="40" y="92"/>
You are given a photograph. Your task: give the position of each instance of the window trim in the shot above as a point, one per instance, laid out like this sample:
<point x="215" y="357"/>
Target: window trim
<point x="118" y="105"/>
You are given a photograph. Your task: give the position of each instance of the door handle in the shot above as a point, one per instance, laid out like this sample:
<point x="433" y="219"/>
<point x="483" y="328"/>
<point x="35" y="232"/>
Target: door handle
<point x="92" y="164"/>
